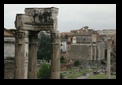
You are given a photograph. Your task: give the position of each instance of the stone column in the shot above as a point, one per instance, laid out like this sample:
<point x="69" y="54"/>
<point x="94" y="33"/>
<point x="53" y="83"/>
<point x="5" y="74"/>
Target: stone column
<point x="26" y="56"/>
<point x="108" y="62"/>
<point x="99" y="52"/>
<point x="103" y="53"/>
<point x="55" y="61"/>
<point x="32" y="59"/>
<point x="95" y="53"/>
<point x="19" y="54"/>
<point x="91" y="51"/>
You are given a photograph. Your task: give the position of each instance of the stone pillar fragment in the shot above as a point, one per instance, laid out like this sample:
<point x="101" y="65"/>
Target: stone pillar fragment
<point x="32" y="59"/>
<point x="91" y="52"/>
<point x="95" y="53"/>
<point x="19" y="54"/>
<point x="99" y="52"/>
<point x="55" y="61"/>
<point x="108" y="63"/>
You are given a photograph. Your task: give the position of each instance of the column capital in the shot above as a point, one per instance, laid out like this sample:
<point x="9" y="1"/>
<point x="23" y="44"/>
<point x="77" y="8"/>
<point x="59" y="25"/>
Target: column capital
<point x="20" y="34"/>
<point x="33" y="37"/>
<point x="55" y="36"/>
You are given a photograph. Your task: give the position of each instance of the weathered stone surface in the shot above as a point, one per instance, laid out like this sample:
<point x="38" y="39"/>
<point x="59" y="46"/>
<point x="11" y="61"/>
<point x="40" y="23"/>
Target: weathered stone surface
<point x="32" y="65"/>
<point x="108" y="62"/>
<point x="19" y="54"/>
<point x="9" y="67"/>
<point x="37" y="19"/>
<point x="55" y="61"/>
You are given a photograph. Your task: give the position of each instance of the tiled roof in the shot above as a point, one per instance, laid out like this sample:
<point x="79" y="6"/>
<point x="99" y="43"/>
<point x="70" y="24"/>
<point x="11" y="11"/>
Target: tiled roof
<point x="8" y="33"/>
<point x="109" y="42"/>
<point x="79" y="34"/>
<point x="99" y="39"/>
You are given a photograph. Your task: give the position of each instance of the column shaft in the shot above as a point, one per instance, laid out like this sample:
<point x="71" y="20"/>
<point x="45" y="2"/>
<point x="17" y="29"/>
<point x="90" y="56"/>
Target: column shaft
<point x="55" y="60"/>
<point x="32" y="59"/>
<point x="19" y="55"/>
<point x="108" y="63"/>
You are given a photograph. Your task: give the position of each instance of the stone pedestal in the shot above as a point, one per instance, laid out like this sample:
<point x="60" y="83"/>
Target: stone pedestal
<point x="108" y="62"/>
<point x="32" y="59"/>
<point x="19" y="54"/>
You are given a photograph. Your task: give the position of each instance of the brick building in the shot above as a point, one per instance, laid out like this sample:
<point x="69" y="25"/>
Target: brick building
<point x="82" y="45"/>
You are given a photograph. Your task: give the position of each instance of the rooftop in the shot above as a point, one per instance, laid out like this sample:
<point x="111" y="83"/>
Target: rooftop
<point x="8" y="33"/>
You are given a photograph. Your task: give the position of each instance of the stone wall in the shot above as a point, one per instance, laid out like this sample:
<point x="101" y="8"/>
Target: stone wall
<point x="9" y="47"/>
<point x="9" y="66"/>
<point x="80" y="52"/>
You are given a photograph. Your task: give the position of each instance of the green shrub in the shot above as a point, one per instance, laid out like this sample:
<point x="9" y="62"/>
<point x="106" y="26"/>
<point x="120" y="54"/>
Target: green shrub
<point x="62" y="60"/>
<point x="76" y="63"/>
<point x="44" y="71"/>
<point x="61" y="76"/>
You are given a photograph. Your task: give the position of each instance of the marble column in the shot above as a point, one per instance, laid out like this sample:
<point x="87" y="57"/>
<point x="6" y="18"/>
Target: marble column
<point x="99" y="53"/>
<point x="91" y="52"/>
<point x="55" y="60"/>
<point x="108" y="62"/>
<point x="32" y="59"/>
<point x="95" y="53"/>
<point x="19" y="54"/>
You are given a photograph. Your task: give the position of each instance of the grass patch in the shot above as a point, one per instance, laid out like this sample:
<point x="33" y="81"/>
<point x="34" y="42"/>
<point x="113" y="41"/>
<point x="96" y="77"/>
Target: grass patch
<point x="73" y="75"/>
<point x="76" y="74"/>
<point x="100" y="76"/>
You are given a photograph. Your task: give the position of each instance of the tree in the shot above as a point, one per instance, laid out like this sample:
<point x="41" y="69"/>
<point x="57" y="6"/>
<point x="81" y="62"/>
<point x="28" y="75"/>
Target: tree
<point x="44" y="71"/>
<point x="62" y="60"/>
<point x="76" y="63"/>
<point x="44" y="47"/>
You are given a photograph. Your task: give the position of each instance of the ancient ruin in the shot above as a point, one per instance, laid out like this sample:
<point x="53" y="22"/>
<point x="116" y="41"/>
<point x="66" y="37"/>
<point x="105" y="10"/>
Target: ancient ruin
<point x="33" y="21"/>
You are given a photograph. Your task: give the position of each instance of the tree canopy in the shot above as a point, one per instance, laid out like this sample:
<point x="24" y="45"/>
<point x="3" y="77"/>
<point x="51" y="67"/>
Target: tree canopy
<point x="44" y="47"/>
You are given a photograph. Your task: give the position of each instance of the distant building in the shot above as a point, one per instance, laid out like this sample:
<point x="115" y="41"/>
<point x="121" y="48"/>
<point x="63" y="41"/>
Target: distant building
<point x="107" y="31"/>
<point x="83" y="44"/>
<point x="9" y="43"/>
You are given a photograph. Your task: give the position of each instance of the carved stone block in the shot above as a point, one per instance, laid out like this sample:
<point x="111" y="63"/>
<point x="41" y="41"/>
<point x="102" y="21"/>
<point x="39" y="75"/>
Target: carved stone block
<point x="37" y="19"/>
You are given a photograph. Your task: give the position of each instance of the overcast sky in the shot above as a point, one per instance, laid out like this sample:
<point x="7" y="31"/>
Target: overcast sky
<point x="71" y="16"/>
